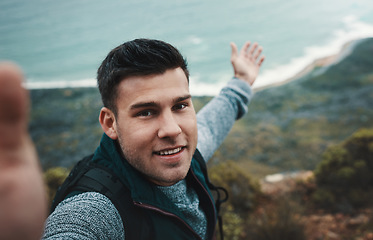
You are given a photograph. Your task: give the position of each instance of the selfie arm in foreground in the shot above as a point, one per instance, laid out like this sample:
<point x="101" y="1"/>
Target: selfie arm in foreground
<point x="22" y="196"/>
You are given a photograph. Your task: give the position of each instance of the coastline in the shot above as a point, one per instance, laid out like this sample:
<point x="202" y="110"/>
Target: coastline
<point x="323" y="62"/>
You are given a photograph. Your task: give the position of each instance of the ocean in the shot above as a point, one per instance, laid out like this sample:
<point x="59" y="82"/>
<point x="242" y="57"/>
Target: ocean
<point x="62" y="43"/>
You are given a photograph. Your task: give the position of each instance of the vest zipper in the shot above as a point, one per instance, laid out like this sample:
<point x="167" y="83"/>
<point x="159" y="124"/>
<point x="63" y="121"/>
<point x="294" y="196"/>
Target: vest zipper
<point x="150" y="207"/>
<point x="211" y="201"/>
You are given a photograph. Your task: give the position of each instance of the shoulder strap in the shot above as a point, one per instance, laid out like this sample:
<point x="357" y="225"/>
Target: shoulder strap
<point x="75" y="174"/>
<point x="219" y="199"/>
<point x="89" y="177"/>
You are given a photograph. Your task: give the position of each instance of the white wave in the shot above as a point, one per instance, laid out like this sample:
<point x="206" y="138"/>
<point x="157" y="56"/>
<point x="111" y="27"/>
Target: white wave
<point x="353" y="30"/>
<point x="61" y="84"/>
<point x="198" y="88"/>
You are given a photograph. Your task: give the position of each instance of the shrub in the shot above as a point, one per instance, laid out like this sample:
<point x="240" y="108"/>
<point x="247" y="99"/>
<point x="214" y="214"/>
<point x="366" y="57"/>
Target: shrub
<point x="232" y="224"/>
<point x="323" y="198"/>
<point x="53" y="178"/>
<point x="277" y="221"/>
<point x="344" y="176"/>
<point x="243" y="191"/>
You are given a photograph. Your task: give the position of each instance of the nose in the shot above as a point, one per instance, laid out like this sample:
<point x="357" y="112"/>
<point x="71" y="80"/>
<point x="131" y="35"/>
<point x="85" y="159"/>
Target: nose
<point x="168" y="126"/>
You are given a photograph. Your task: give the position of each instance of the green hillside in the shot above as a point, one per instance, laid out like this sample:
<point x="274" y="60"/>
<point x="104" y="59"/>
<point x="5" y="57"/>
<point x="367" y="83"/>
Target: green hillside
<point x="287" y="128"/>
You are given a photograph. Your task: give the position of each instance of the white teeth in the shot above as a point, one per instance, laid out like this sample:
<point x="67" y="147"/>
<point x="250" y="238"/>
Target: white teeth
<point x="169" y="152"/>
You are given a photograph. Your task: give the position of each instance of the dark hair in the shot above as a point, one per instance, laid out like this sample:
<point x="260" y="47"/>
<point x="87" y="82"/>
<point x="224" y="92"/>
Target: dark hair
<point x="139" y="57"/>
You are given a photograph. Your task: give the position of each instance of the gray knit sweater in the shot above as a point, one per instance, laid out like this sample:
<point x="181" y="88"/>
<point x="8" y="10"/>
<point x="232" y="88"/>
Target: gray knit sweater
<point x="91" y="215"/>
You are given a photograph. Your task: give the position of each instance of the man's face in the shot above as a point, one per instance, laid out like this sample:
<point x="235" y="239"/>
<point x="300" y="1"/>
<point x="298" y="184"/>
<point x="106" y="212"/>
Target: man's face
<point x="156" y="125"/>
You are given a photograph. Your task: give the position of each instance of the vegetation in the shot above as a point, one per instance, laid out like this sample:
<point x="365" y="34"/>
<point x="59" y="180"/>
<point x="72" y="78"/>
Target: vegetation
<point x="276" y="221"/>
<point x="336" y="198"/>
<point x="249" y="214"/>
<point x="53" y="178"/>
<point x="244" y="192"/>
<point x="344" y="176"/>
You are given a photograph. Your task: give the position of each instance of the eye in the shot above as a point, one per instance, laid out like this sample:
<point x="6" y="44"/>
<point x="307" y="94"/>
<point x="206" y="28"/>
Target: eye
<point x="145" y="113"/>
<point x="180" y="106"/>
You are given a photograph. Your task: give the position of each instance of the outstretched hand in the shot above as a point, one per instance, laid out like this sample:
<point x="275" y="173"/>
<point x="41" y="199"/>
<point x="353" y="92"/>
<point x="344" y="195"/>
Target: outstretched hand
<point x="247" y="62"/>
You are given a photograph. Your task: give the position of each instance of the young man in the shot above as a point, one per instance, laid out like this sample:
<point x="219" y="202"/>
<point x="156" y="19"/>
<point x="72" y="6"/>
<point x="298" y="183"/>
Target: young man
<point x="150" y="143"/>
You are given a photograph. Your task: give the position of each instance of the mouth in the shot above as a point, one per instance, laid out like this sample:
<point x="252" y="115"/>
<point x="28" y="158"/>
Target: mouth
<point x="169" y="151"/>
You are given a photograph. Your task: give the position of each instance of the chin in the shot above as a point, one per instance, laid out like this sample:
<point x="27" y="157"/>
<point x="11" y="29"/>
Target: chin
<point x="174" y="179"/>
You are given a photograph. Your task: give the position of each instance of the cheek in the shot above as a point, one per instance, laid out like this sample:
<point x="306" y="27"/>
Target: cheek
<point x="135" y="147"/>
<point x="189" y="125"/>
<point x="135" y="136"/>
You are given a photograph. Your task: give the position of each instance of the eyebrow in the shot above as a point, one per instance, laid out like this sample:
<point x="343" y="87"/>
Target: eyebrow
<point x="154" y="104"/>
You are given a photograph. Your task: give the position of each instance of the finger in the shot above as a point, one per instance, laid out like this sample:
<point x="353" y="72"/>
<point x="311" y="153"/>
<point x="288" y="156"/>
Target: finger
<point x="11" y="78"/>
<point x="253" y="48"/>
<point x="245" y="47"/>
<point x="261" y="60"/>
<point x="13" y="106"/>
<point x="9" y="70"/>
<point x="260" y="49"/>
<point x="234" y="50"/>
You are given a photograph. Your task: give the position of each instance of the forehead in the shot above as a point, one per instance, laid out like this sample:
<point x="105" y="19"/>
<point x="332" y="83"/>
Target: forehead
<point x="154" y="88"/>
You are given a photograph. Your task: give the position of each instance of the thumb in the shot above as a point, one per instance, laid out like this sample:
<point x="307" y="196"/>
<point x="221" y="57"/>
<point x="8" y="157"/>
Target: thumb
<point x="234" y="50"/>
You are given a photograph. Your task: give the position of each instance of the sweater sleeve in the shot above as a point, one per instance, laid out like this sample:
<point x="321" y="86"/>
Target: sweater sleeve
<point x="216" y="119"/>
<point x="85" y="216"/>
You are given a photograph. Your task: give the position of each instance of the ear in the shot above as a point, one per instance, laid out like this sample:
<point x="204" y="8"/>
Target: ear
<point x="107" y="121"/>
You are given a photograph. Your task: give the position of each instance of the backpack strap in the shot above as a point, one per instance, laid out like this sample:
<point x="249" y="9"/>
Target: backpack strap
<point x="219" y="199"/>
<point x="89" y="177"/>
<point x="75" y="174"/>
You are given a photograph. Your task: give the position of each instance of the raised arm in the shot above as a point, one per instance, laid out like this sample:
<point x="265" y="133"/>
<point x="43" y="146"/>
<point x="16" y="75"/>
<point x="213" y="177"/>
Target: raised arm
<point x="216" y="119"/>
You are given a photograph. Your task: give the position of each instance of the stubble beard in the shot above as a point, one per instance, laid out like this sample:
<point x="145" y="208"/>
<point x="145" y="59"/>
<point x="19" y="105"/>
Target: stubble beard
<point x="156" y="176"/>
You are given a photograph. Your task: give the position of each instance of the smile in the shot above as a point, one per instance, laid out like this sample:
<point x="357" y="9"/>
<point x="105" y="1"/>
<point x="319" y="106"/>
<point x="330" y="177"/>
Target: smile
<point x="169" y="152"/>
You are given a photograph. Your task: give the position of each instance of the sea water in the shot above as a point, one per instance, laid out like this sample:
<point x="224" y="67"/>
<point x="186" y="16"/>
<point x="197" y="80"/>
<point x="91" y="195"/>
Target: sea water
<point x="62" y="43"/>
